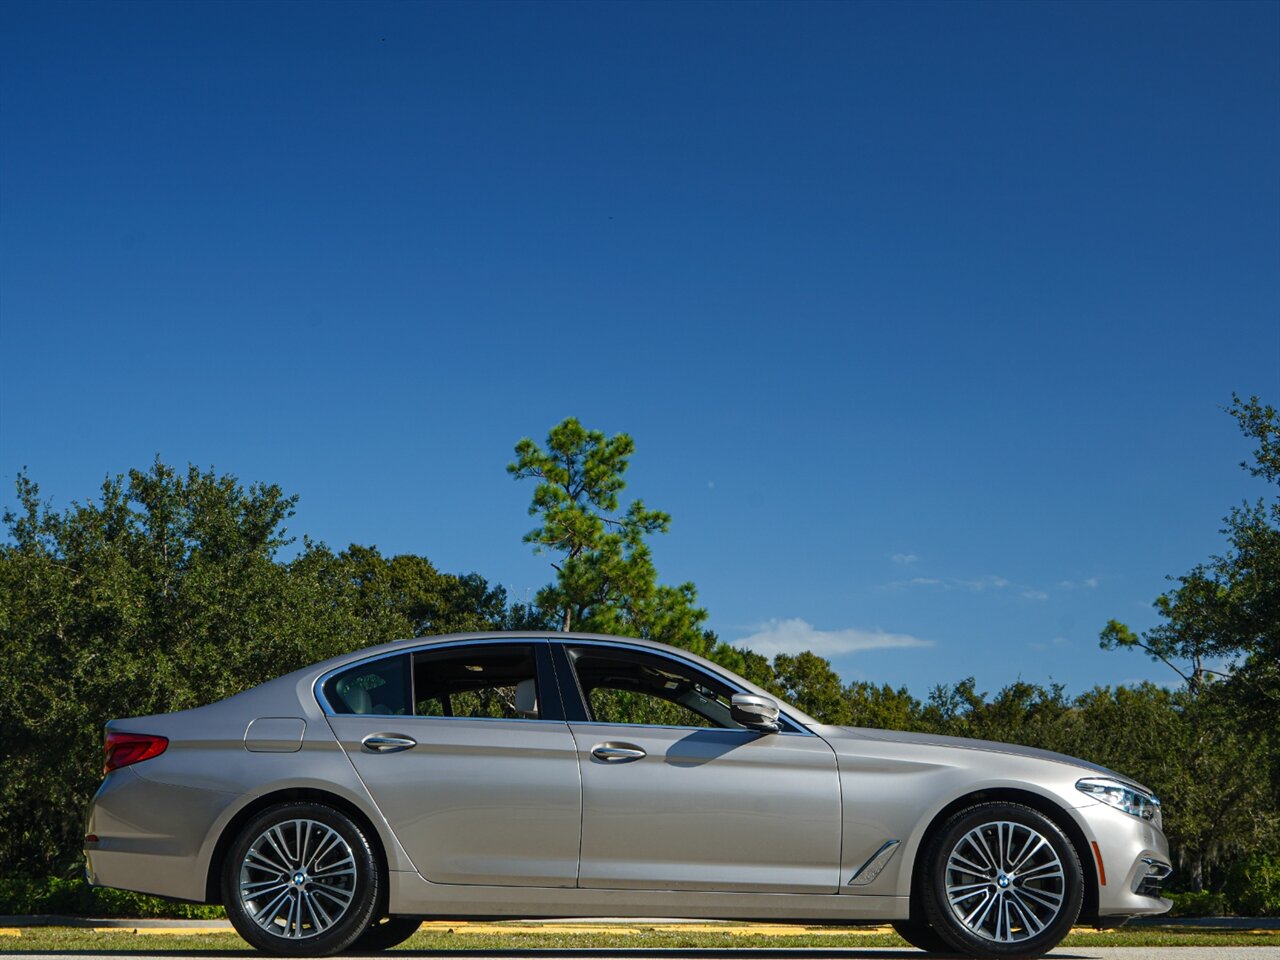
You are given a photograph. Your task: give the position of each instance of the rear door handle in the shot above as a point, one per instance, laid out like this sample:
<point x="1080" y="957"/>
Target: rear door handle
<point x="617" y="752"/>
<point x="387" y="743"/>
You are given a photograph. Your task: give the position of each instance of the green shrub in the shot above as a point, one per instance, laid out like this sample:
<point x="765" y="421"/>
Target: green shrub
<point x="1202" y="903"/>
<point x="1253" y="886"/>
<point x="56" y="895"/>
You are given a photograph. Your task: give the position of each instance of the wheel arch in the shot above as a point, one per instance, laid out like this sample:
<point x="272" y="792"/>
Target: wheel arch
<point x="213" y="884"/>
<point x="1039" y="803"/>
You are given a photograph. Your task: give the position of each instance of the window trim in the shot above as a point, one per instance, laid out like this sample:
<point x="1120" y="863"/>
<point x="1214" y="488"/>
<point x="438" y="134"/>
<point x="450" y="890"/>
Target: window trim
<point x="543" y="663"/>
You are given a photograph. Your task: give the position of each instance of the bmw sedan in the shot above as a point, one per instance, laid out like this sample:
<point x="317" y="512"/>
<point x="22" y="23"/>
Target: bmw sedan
<point x="551" y="775"/>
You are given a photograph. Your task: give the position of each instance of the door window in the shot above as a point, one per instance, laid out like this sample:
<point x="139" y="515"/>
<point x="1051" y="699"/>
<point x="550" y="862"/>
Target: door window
<point x="625" y="686"/>
<point x="494" y="682"/>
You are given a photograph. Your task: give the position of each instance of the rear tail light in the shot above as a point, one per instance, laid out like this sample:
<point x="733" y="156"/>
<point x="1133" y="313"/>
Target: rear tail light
<point x="122" y="749"/>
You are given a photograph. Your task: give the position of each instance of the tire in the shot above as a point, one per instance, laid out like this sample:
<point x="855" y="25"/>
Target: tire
<point x="301" y="879"/>
<point x="1001" y="880"/>
<point x="922" y="936"/>
<point x="385" y="934"/>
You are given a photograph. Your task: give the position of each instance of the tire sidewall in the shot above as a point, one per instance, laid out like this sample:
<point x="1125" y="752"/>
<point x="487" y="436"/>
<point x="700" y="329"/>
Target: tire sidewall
<point x="367" y="893"/>
<point x="938" y="912"/>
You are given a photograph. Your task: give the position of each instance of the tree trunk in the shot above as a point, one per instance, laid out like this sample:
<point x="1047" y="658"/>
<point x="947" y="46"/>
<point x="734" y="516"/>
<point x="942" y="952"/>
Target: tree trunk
<point x="1197" y="872"/>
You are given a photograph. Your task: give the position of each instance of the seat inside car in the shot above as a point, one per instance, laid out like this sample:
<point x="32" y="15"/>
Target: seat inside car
<point x="527" y="699"/>
<point x="355" y="696"/>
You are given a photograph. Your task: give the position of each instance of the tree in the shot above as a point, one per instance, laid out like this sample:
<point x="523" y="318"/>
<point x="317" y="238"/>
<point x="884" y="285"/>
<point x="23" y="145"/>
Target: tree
<point x="808" y="681"/>
<point x="883" y="707"/>
<point x="606" y="581"/>
<point x="1228" y="608"/>
<point x="167" y="592"/>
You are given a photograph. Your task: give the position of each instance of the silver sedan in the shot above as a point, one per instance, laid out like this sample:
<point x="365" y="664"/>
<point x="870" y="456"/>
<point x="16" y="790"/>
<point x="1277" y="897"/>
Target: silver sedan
<point x="551" y="775"/>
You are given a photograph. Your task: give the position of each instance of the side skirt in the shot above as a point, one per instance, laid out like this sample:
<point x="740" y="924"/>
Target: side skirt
<point x="413" y="896"/>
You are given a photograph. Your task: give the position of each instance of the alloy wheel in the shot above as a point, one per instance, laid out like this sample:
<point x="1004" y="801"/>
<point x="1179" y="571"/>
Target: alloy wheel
<point x="1005" y="882"/>
<point x="297" y="879"/>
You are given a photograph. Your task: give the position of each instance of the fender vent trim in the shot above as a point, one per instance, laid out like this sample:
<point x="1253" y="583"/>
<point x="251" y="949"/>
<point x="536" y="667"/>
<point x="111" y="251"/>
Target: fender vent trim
<point x="866" y="873"/>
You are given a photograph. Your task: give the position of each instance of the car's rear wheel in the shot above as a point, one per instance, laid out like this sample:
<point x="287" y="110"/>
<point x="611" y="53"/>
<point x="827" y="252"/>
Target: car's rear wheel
<point x="385" y="934"/>
<point x="301" y="879"/>
<point x="1001" y="880"/>
<point x="922" y="936"/>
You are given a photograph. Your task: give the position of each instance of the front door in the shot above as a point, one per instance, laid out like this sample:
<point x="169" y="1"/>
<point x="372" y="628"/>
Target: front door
<point x="460" y="752"/>
<point x="676" y="796"/>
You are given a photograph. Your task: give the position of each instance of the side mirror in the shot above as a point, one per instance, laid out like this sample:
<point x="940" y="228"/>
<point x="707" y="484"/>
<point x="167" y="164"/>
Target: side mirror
<point x="754" y="713"/>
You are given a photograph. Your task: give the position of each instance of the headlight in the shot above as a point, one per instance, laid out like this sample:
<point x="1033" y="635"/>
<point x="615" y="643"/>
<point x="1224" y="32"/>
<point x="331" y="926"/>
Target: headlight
<point x="1123" y="797"/>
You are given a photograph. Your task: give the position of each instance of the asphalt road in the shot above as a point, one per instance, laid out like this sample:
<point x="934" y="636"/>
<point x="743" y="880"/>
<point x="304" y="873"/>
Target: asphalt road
<point x="884" y="953"/>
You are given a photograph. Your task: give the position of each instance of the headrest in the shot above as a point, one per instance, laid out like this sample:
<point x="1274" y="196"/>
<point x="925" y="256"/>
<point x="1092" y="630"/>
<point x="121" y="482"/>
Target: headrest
<point x="527" y="698"/>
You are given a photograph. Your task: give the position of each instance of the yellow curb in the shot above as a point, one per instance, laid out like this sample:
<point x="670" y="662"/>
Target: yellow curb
<point x="10" y="932"/>
<point x="517" y="928"/>
<point x="164" y="931"/>
<point x="787" y="930"/>
<point x="480" y="929"/>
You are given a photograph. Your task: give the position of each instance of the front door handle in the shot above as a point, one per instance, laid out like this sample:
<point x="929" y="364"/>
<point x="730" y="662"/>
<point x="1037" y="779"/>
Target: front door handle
<point x="387" y="743"/>
<point x="617" y="752"/>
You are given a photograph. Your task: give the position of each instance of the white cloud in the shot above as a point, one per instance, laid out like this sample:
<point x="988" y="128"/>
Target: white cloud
<point x="904" y="558"/>
<point x="795" y="636"/>
<point x="985" y="584"/>
<point x="1089" y="584"/>
<point x="982" y="583"/>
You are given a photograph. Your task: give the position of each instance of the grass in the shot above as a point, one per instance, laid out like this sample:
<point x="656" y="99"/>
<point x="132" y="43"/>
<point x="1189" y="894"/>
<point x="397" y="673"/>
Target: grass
<point x="517" y="937"/>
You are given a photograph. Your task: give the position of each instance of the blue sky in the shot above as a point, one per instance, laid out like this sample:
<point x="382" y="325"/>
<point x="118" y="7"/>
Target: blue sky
<point x="922" y="316"/>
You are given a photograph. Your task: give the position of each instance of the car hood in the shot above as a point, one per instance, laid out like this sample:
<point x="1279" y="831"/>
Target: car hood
<point x="842" y="738"/>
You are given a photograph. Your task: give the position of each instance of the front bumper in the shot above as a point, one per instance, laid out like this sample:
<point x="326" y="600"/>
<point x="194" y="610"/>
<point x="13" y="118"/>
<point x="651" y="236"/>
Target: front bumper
<point x="1131" y="857"/>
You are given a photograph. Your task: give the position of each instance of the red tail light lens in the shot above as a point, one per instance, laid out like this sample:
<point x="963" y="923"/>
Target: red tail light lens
<point x="122" y="749"/>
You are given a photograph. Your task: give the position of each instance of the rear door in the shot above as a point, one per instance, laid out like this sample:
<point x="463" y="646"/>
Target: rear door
<point x="465" y="751"/>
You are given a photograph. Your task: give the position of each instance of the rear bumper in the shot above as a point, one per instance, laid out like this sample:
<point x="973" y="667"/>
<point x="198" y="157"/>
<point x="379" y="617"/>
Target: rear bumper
<point x="149" y="835"/>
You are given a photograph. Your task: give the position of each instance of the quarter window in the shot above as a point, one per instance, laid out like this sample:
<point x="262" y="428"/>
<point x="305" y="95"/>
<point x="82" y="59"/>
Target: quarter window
<point x="380" y="688"/>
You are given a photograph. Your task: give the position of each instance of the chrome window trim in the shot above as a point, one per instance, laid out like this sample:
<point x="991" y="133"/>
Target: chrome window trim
<point x="416" y="716"/>
<point x="317" y="688"/>
<point x="668" y="726"/>
<point x="800" y="728"/>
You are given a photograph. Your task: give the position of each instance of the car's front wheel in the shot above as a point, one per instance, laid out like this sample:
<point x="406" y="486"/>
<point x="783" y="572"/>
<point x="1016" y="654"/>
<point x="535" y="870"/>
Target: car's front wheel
<point x="301" y="879"/>
<point x="1001" y="880"/>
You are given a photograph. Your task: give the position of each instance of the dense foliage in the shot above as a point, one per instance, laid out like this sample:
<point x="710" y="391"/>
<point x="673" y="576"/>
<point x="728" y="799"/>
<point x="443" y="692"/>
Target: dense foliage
<point x="166" y="593"/>
<point x="171" y="589"/>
